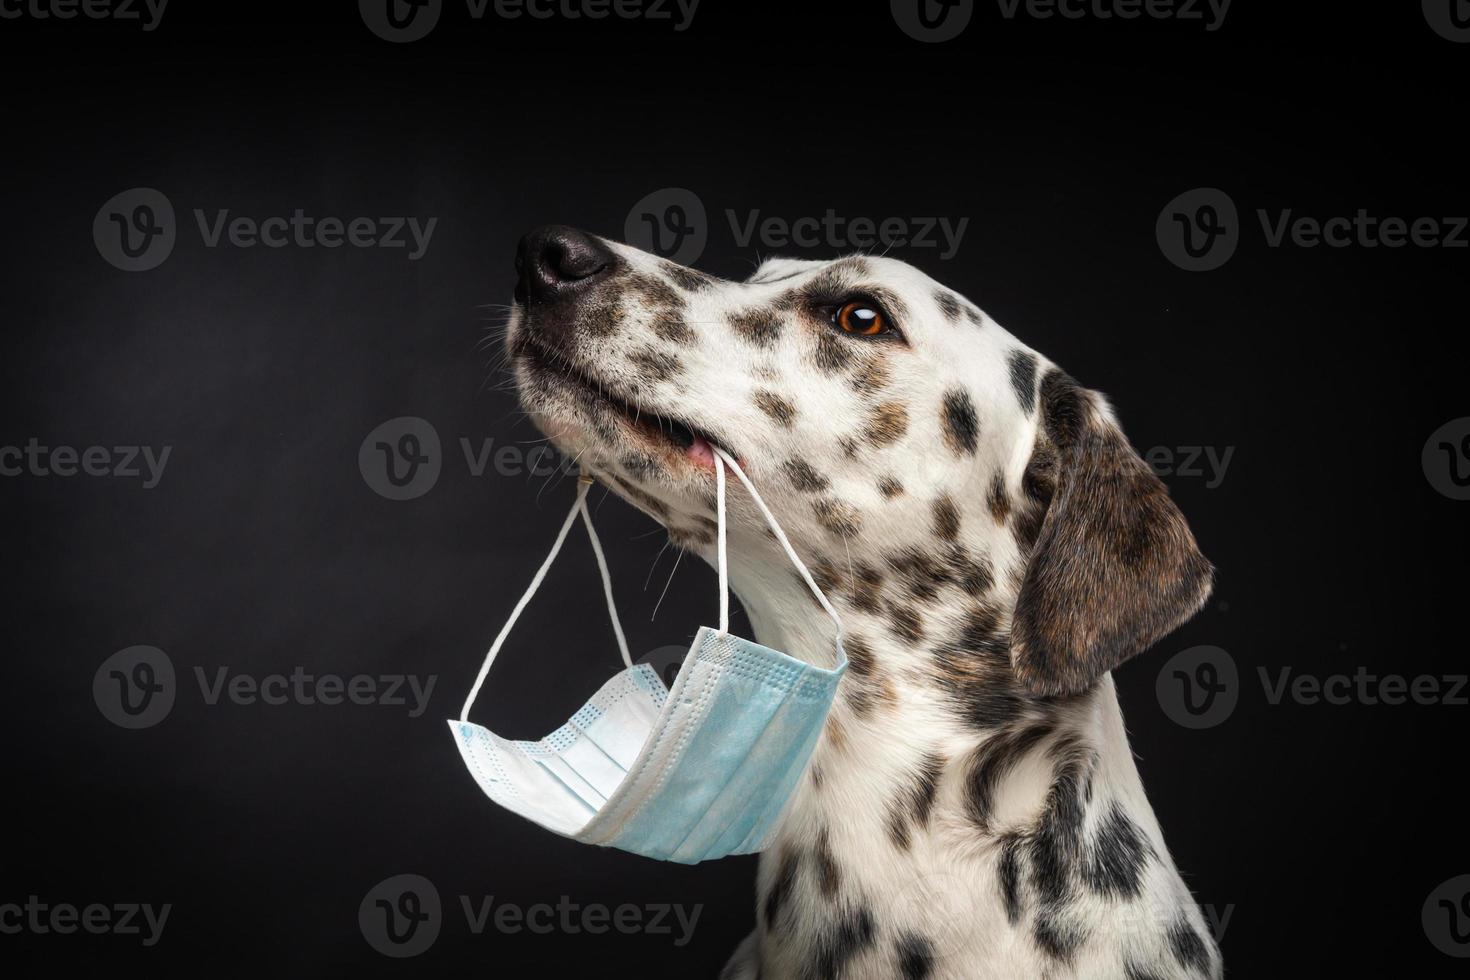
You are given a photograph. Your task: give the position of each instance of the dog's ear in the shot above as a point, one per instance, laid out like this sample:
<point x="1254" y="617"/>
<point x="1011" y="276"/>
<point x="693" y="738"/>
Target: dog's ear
<point x="1114" y="566"/>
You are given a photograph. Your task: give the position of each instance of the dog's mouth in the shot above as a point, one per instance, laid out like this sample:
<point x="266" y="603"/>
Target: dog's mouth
<point x="664" y="434"/>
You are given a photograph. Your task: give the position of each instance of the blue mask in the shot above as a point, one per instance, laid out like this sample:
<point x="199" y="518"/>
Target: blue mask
<point x="696" y="771"/>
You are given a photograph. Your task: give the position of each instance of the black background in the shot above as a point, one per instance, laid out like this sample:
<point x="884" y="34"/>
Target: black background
<point x="1322" y="829"/>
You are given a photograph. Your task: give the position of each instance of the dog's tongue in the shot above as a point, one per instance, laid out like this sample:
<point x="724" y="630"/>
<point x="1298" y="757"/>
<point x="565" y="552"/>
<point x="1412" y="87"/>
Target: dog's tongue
<point x="700" y="452"/>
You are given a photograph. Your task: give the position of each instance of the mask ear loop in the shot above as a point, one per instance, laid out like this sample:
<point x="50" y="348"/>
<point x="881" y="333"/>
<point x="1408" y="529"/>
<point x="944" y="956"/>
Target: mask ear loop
<point x="806" y="576"/>
<point x="722" y="564"/>
<point x="607" y="590"/>
<point x="579" y="506"/>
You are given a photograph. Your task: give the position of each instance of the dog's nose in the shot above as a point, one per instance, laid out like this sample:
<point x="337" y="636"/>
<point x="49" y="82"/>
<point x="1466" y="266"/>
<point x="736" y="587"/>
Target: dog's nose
<point x="555" y="259"/>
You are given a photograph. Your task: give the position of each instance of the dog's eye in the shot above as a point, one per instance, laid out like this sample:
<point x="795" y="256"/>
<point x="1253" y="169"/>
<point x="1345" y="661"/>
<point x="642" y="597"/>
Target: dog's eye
<point x="861" y="317"/>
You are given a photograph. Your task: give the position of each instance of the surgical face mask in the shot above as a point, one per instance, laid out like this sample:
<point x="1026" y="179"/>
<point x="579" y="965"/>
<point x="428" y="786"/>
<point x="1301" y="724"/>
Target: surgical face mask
<point x="695" y="771"/>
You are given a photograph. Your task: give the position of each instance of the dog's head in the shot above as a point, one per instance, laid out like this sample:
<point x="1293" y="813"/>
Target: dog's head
<point x="932" y="468"/>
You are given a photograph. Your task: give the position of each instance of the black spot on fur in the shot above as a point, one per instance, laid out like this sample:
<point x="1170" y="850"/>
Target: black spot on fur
<point x="990" y="763"/>
<point x="871" y="378"/>
<point x="890" y="488"/>
<point x="690" y="280"/>
<point x="837" y="517"/>
<point x="839" y="943"/>
<point x="1057" y="935"/>
<point x="999" y="499"/>
<point x="1132" y="971"/>
<point x="913" y="806"/>
<point x="653" y="292"/>
<point x="888" y="423"/>
<point x="776" y="407"/>
<point x="949" y="305"/>
<point x="1058" y="839"/>
<point x="671" y="327"/>
<point x="804" y="478"/>
<point x="655" y="364"/>
<point x="859" y="656"/>
<point x="946" y="519"/>
<point x="905" y="623"/>
<point x="760" y="327"/>
<point x="1008" y="871"/>
<point x="1118" y="856"/>
<point x="961" y="425"/>
<point x="915" y="957"/>
<point x="1187" y="946"/>
<point x="975" y="669"/>
<point x="1023" y="378"/>
<point x="832" y="354"/>
<point x="829" y="875"/>
<point x="975" y="316"/>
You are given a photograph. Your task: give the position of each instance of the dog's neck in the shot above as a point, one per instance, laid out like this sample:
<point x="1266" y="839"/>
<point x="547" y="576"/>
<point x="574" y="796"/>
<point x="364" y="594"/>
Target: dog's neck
<point x="935" y="776"/>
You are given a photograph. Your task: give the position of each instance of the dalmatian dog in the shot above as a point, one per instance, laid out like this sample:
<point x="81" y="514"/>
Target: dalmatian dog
<point x="994" y="547"/>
